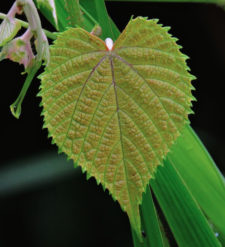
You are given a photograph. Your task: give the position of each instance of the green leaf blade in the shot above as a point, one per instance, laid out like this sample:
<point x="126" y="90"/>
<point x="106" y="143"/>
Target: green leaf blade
<point x="74" y="13"/>
<point x="150" y="221"/>
<point x="104" y="111"/>
<point x="201" y="175"/>
<point x="188" y="224"/>
<point x="48" y="7"/>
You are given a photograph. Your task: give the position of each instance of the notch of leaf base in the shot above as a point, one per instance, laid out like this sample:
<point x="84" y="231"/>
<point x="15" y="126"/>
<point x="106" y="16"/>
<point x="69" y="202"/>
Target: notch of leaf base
<point x="109" y="43"/>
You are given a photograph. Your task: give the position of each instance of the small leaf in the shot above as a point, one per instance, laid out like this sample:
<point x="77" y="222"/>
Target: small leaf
<point x="116" y="112"/>
<point x="8" y="30"/>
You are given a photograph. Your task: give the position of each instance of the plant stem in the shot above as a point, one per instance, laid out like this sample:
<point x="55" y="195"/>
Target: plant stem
<point x="25" y="24"/>
<point x="16" y="106"/>
<point x="13" y="11"/>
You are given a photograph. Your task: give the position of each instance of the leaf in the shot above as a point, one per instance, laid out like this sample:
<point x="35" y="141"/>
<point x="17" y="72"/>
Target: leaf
<point x="201" y="175"/>
<point x="150" y="221"/>
<point x="103" y="19"/>
<point x="188" y="224"/>
<point x="97" y="10"/>
<point x="8" y="30"/>
<point x="63" y="17"/>
<point x="117" y="112"/>
<point x="49" y="8"/>
<point x="74" y="12"/>
<point x="151" y="231"/>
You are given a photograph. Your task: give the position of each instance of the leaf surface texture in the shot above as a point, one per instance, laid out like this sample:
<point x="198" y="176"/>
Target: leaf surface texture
<point x="117" y="112"/>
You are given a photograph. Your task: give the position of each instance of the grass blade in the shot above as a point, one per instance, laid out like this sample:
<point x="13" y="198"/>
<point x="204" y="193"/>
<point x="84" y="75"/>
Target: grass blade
<point x="92" y="15"/>
<point x="150" y="224"/>
<point x="187" y="222"/>
<point x="103" y="19"/>
<point x="98" y="10"/>
<point x="49" y="10"/>
<point x="201" y="175"/>
<point x="74" y="12"/>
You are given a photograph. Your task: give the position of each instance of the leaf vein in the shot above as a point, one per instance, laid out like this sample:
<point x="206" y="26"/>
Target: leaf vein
<point x="132" y="68"/>
<point x="90" y="75"/>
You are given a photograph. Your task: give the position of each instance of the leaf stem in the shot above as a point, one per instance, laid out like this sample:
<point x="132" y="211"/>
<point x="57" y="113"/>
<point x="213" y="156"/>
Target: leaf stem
<point x="25" y="24"/>
<point x="16" y="106"/>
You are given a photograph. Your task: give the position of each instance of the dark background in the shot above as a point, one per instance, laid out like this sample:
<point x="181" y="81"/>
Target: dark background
<point x="70" y="211"/>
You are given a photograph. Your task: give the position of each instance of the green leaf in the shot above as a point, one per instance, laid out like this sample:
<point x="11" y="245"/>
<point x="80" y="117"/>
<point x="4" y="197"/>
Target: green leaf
<point x="201" y="175"/>
<point x="150" y="224"/>
<point x="97" y="10"/>
<point x="103" y="19"/>
<point x="63" y="17"/>
<point x="116" y="112"/>
<point x="88" y="18"/>
<point x="49" y="8"/>
<point x="74" y="13"/>
<point x="150" y="221"/>
<point x="187" y="222"/>
<point x="8" y="30"/>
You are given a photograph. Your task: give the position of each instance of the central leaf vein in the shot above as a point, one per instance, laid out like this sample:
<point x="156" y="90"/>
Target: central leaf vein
<point x="120" y="130"/>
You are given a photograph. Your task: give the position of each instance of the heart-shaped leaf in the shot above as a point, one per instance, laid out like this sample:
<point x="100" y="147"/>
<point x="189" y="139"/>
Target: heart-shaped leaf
<point x="117" y="109"/>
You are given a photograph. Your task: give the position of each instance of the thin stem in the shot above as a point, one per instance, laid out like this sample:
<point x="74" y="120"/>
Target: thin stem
<point x="27" y="35"/>
<point x="16" y="106"/>
<point x="25" y="24"/>
<point x="13" y="11"/>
